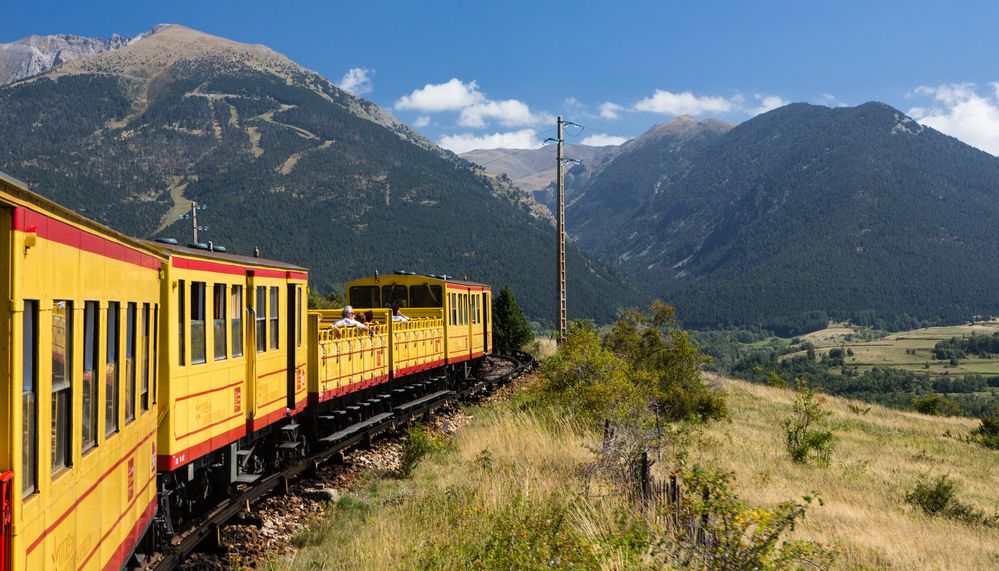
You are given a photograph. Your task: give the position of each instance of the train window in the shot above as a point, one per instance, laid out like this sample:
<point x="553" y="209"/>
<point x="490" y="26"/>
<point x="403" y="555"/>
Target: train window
<point x="156" y="337"/>
<point x="454" y="309"/>
<point x="274" y="317"/>
<point x="236" y="320"/>
<point x="144" y="348"/>
<point x="464" y="308"/>
<point x="91" y="356"/>
<point x="62" y="371"/>
<point x="475" y="308"/>
<point x="197" y="323"/>
<point x="260" y="310"/>
<point x="181" y="315"/>
<point x="393" y="294"/>
<point x="365" y="296"/>
<point x="130" y="363"/>
<point x="111" y="387"/>
<point x="426" y="295"/>
<point x="219" y="301"/>
<point x="29" y="399"/>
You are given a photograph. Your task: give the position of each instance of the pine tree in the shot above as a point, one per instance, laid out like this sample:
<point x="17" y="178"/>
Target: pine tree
<point x="510" y="328"/>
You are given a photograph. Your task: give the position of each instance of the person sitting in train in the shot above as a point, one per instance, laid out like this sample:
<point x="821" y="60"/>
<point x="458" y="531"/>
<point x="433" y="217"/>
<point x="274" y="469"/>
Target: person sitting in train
<point x="349" y="321"/>
<point x="397" y="315"/>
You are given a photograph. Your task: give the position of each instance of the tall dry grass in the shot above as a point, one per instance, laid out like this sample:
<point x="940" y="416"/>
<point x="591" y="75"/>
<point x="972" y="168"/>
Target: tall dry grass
<point x="510" y="456"/>
<point x="506" y="458"/>
<point x="879" y="456"/>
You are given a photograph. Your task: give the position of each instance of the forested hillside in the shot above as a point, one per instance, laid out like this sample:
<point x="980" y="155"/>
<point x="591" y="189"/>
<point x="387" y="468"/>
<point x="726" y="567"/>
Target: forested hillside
<point x="282" y="160"/>
<point x="802" y="214"/>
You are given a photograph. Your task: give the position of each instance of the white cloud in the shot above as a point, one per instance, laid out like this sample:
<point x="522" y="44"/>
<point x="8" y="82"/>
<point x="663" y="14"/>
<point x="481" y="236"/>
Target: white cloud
<point x="475" y="109"/>
<point x="357" y="81"/>
<point x="435" y="97"/>
<point x="464" y="142"/>
<point x="961" y="112"/>
<point x="685" y="103"/>
<point x="610" y="110"/>
<point x="509" y="112"/>
<point x="421" y="121"/>
<point x="573" y="103"/>
<point x="830" y="100"/>
<point x="603" y="139"/>
<point x="767" y="103"/>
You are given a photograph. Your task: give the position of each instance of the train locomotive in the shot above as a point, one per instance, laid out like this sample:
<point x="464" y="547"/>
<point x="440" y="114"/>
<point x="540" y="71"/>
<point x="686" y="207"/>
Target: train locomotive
<point x="155" y="378"/>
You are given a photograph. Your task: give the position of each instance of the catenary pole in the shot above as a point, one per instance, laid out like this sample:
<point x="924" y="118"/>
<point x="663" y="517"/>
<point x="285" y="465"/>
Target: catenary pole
<point x="560" y="224"/>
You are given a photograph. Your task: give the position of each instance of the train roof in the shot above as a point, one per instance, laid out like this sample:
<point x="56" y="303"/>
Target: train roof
<point x="223" y="256"/>
<point x="426" y="277"/>
<point x="19" y="190"/>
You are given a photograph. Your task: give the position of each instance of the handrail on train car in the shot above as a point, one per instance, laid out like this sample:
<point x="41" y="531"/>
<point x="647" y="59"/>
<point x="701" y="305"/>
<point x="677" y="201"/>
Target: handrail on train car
<point x="6" y="519"/>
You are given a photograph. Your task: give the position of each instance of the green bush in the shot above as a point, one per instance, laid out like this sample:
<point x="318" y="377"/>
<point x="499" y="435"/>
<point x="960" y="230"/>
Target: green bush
<point x="987" y="433"/>
<point x="419" y="444"/>
<point x="805" y="433"/>
<point x="721" y="532"/>
<point x="938" y="497"/>
<point x="936" y="405"/>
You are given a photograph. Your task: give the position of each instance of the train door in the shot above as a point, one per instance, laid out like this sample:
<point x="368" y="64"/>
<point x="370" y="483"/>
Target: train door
<point x="293" y="323"/>
<point x="484" y="322"/>
<point x="250" y="345"/>
<point x="466" y="302"/>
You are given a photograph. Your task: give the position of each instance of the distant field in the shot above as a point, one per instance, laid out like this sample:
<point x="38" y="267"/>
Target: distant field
<point x="908" y="350"/>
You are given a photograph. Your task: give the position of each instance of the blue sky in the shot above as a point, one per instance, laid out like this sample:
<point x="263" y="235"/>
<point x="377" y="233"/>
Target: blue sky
<point x="473" y="74"/>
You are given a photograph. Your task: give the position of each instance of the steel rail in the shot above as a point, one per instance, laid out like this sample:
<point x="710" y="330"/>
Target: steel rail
<point x="188" y="541"/>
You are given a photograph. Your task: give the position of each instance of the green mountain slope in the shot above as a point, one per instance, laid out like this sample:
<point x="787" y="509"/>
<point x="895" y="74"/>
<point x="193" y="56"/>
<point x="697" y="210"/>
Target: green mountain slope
<point x="283" y="161"/>
<point x="854" y="211"/>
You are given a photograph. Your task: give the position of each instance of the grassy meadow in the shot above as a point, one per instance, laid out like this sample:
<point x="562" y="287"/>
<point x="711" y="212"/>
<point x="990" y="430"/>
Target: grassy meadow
<point x="509" y="491"/>
<point x="878" y="457"/>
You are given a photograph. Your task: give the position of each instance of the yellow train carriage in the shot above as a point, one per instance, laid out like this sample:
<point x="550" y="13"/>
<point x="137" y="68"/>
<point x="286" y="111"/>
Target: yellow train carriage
<point x="462" y="306"/>
<point x="79" y="367"/>
<point x="234" y="350"/>
<point x="345" y="360"/>
<point x="417" y="344"/>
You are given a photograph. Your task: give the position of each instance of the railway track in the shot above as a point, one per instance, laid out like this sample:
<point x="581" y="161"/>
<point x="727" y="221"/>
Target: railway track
<point x="207" y="530"/>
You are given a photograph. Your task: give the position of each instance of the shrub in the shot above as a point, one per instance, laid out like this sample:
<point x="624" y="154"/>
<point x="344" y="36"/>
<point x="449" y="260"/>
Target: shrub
<point x="589" y="378"/>
<point x="939" y="498"/>
<point x="419" y="444"/>
<point x="858" y="409"/>
<point x="721" y="532"/>
<point x="936" y="405"/>
<point x="805" y="435"/>
<point x="987" y="433"/>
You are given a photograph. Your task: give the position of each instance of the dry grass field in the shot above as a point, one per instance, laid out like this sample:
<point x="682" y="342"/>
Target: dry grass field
<point x="878" y="457"/>
<point x="512" y="472"/>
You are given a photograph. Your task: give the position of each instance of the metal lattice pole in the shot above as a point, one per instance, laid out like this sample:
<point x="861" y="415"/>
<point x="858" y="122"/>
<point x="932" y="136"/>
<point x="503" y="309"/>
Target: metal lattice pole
<point x="560" y="224"/>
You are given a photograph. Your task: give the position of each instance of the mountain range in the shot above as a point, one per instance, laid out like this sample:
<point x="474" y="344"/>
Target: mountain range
<point x="797" y="215"/>
<point x="36" y="54"/>
<point x="280" y="159"/>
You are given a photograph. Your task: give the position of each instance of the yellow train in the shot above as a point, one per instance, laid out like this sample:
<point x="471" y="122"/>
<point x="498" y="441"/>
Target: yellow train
<point x="149" y="379"/>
